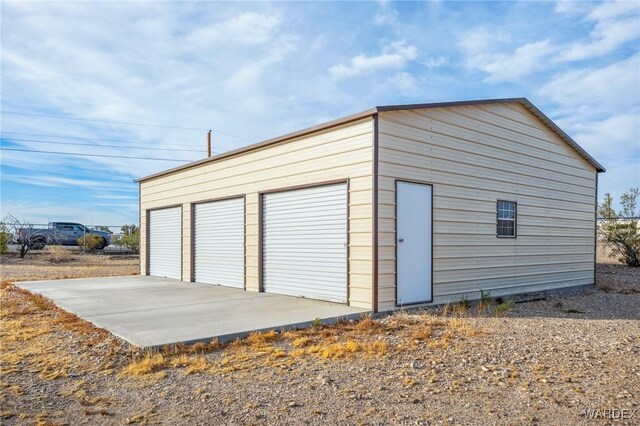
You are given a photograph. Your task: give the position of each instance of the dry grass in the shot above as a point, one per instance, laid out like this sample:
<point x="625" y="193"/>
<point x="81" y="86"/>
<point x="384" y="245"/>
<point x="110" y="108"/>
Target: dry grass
<point x="422" y="332"/>
<point x="58" y="254"/>
<point x="259" y="339"/>
<point x="301" y="342"/>
<point x="150" y="363"/>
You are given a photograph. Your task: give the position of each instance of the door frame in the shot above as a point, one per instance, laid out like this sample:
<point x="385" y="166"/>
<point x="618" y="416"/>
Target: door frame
<point x="147" y="234"/>
<point x="415" y="182"/>
<point x="261" y="195"/>
<point x="192" y="243"/>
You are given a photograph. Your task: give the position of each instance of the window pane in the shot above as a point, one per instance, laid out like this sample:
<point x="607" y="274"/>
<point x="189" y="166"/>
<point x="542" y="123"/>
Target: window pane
<point x="506" y="228"/>
<point x="506" y="210"/>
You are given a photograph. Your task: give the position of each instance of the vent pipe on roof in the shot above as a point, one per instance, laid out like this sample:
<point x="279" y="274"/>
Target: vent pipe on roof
<point x="209" y="144"/>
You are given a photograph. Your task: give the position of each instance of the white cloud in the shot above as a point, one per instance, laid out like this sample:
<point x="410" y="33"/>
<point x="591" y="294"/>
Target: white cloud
<point x="115" y="197"/>
<point x="594" y="90"/>
<point x="436" y="62"/>
<point x="405" y="82"/>
<point x="614" y="9"/>
<point x="616" y="23"/>
<point x="64" y="182"/>
<point x="481" y="41"/>
<point x="516" y="65"/>
<point x="395" y="55"/>
<point x="247" y="28"/>
<point x="613" y="138"/>
<point x="386" y="17"/>
<point x="42" y="213"/>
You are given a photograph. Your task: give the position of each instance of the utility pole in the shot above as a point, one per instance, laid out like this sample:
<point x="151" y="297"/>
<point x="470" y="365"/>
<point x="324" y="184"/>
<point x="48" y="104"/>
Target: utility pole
<point x="209" y="144"/>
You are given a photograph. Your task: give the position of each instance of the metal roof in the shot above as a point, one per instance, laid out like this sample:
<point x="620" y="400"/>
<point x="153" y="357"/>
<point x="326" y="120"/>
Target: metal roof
<point x="382" y="109"/>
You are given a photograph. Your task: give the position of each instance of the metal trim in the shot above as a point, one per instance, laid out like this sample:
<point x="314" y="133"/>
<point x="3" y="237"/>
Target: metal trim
<point x="170" y="206"/>
<point x="515" y="220"/>
<point x="595" y="236"/>
<point x="415" y="182"/>
<point x="260" y="243"/>
<point x="244" y="226"/>
<point x="181" y="242"/>
<point x="261" y="195"/>
<point x="374" y="214"/>
<point x="147" y="233"/>
<point x="348" y="242"/>
<point x="244" y="245"/>
<point x="192" y="244"/>
<point x="381" y="109"/>
<point x="305" y="186"/>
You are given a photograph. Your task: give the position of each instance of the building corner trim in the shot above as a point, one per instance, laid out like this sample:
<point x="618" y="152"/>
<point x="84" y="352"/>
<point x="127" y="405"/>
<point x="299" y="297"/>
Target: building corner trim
<point x="374" y="218"/>
<point x="595" y="235"/>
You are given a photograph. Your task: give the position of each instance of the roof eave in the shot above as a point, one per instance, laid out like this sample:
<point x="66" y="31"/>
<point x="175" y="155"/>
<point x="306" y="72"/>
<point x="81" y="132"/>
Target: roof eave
<point x="268" y="142"/>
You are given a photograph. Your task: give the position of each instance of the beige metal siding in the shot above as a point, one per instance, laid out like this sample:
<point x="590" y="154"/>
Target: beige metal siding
<point x="473" y="156"/>
<point x="339" y="153"/>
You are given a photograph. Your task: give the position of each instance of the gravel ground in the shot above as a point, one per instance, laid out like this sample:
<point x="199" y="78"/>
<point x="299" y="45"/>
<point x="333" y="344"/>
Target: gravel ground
<point x="60" y="263"/>
<point x="542" y="362"/>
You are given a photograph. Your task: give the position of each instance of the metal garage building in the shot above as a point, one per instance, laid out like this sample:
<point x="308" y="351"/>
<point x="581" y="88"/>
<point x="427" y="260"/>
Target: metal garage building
<point x="394" y="206"/>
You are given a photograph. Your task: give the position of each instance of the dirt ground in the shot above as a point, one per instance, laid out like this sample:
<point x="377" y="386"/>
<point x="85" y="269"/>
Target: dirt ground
<point x="542" y="362"/>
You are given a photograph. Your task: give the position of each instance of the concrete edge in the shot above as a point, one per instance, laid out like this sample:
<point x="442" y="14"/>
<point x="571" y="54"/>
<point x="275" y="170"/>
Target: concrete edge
<point x="226" y="338"/>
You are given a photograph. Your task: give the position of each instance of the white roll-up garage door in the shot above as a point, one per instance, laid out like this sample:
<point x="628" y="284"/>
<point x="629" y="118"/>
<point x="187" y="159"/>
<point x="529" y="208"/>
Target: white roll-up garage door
<point x="165" y="242"/>
<point x="305" y="243"/>
<point x="219" y="242"/>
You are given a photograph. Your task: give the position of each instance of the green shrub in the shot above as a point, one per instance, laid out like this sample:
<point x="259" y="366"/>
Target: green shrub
<point x="504" y="307"/>
<point x="91" y="242"/>
<point x="130" y="237"/>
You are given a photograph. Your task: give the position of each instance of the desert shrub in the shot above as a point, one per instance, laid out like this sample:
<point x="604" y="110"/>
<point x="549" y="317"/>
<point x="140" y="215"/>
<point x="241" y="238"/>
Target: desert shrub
<point x="90" y="242"/>
<point x="130" y="237"/>
<point x="5" y="238"/>
<point x="57" y="254"/>
<point x="622" y="229"/>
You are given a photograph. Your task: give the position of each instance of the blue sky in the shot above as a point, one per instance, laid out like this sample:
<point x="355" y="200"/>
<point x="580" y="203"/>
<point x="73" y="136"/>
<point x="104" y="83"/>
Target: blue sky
<point x="251" y="71"/>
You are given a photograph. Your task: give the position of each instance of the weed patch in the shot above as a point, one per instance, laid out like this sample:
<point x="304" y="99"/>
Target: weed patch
<point x="504" y="307"/>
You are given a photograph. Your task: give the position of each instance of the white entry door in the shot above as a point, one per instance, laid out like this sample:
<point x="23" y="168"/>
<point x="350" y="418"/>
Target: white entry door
<point x="218" y="242"/>
<point x="414" y="234"/>
<point x="165" y="242"/>
<point x="305" y="243"/>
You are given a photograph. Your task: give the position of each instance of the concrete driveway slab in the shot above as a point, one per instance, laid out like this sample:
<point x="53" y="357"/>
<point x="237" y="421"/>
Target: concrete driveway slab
<point x="151" y="311"/>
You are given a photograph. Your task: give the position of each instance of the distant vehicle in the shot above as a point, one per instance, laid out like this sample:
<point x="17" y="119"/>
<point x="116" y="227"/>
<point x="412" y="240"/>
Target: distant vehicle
<point x="60" y="233"/>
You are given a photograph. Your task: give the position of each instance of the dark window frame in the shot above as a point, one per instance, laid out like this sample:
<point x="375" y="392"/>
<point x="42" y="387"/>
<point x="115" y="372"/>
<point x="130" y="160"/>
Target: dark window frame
<point x="515" y="219"/>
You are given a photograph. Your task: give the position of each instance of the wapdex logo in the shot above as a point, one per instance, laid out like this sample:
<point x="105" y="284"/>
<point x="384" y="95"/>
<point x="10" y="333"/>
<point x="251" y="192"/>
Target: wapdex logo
<point x="610" y="413"/>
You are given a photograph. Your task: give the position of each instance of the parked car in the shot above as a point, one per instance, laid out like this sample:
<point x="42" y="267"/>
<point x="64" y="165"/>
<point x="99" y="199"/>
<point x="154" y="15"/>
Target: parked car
<point x="60" y="233"/>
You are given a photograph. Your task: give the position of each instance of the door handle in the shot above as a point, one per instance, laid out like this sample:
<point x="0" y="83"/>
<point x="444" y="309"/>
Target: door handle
<point x="400" y="240"/>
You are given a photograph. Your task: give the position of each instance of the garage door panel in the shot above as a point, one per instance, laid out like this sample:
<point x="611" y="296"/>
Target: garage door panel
<point x="304" y="243"/>
<point x="165" y="243"/>
<point x="219" y="242"/>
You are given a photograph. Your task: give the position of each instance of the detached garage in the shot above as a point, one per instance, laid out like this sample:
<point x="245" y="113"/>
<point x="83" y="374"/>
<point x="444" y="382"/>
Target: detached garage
<point x="395" y="206"/>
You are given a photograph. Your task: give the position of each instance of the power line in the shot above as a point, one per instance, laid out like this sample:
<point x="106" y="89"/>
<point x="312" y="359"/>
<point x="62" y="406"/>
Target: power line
<point x="76" y="137"/>
<point x="95" y="155"/>
<point x="104" y="121"/>
<point x="105" y="146"/>
<point x="125" y="123"/>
